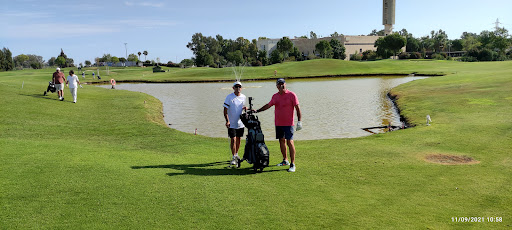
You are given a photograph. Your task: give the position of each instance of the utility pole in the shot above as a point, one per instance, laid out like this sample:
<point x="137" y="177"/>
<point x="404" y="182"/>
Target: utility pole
<point x="126" y="49"/>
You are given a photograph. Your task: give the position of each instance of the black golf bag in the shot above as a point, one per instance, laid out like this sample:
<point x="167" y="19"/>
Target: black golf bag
<point x="256" y="151"/>
<point x="51" y="88"/>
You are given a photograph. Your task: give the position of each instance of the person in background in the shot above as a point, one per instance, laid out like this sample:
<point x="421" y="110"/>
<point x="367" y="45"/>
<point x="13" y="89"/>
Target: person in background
<point x="58" y="79"/>
<point x="233" y="107"/>
<point x="285" y="101"/>
<point x="72" y="81"/>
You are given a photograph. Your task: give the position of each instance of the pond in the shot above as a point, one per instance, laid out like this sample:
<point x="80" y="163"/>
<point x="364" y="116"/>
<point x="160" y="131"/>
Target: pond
<point x="331" y="107"/>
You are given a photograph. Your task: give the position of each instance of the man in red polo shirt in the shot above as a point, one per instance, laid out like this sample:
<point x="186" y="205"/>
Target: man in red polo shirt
<point x="59" y="79"/>
<point x="285" y="101"/>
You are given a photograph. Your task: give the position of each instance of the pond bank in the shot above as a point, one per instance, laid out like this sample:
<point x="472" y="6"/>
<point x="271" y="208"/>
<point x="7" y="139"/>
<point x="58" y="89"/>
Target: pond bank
<point x="107" y="81"/>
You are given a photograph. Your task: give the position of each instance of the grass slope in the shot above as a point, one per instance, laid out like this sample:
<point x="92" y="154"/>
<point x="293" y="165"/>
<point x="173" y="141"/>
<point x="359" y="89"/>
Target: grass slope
<point x="109" y="161"/>
<point x="311" y="68"/>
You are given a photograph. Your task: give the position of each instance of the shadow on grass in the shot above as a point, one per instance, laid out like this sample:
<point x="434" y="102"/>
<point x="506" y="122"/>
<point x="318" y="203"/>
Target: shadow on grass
<point x="207" y="169"/>
<point x="48" y="97"/>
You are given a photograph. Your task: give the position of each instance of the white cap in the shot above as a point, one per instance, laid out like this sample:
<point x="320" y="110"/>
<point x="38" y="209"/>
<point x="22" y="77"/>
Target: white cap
<point x="58" y="69"/>
<point x="237" y="83"/>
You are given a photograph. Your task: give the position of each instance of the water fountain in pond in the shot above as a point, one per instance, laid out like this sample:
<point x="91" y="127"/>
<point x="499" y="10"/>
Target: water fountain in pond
<point x="239" y="70"/>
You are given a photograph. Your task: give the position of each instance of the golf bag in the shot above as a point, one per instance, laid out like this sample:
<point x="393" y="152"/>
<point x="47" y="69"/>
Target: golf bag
<point x="51" y="88"/>
<point x="256" y="151"/>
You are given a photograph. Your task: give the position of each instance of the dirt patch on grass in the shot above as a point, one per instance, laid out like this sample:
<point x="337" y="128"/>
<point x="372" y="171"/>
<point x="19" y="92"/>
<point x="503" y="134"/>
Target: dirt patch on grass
<point x="446" y="159"/>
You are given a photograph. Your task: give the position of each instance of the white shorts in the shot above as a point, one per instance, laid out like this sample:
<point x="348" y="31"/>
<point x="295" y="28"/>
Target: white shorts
<point x="59" y="86"/>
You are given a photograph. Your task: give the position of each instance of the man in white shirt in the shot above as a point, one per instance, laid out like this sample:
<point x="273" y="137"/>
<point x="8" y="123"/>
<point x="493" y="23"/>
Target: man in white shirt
<point x="233" y="107"/>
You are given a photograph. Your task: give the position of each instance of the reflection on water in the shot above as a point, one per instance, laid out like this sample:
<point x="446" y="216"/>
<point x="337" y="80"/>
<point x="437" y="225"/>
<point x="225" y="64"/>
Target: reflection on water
<point x="331" y="108"/>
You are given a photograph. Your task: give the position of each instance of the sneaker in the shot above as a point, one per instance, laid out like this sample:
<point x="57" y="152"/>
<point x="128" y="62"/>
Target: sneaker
<point x="74" y="101"/>
<point x="233" y="161"/>
<point x="62" y="98"/>
<point x="292" y="168"/>
<point x="283" y="163"/>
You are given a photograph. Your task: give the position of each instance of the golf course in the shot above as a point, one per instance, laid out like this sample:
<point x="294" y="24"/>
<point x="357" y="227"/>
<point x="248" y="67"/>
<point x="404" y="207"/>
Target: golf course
<point x="110" y="162"/>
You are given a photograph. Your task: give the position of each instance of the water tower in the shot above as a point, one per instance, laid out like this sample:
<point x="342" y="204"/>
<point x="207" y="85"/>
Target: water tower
<point x="388" y="15"/>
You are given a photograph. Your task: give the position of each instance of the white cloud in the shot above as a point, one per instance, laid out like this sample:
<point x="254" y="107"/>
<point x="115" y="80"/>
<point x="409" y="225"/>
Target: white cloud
<point x="148" y="23"/>
<point x="27" y="15"/>
<point x="56" y="30"/>
<point x="148" y="4"/>
<point x="151" y="4"/>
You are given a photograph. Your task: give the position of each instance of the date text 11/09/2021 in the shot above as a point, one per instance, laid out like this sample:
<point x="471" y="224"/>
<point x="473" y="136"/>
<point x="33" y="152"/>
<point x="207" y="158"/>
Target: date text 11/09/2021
<point x="477" y="219"/>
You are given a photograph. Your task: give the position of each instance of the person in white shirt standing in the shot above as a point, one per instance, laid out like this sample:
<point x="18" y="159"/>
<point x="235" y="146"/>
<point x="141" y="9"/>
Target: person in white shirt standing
<point x="73" y="82"/>
<point x="233" y="107"/>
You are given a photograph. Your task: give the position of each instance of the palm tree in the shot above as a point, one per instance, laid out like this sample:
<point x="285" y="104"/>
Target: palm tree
<point x="145" y="54"/>
<point x="139" y="53"/>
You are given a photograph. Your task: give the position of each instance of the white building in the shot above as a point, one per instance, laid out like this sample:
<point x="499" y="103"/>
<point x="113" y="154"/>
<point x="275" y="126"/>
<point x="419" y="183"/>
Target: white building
<point x="306" y="46"/>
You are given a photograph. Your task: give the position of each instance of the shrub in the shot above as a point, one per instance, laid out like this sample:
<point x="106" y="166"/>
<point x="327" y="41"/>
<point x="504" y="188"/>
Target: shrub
<point x="404" y="55"/>
<point x="356" y="57"/>
<point x="170" y="64"/>
<point x="311" y="57"/>
<point x="415" y="55"/>
<point x="36" y="65"/>
<point x="256" y="63"/>
<point x="369" y="55"/>
<point x="147" y="63"/>
<point x="186" y="63"/>
<point x="276" y="57"/>
<point x="292" y="58"/>
<point x="438" y="56"/>
<point x="468" y="59"/>
<point x="487" y="55"/>
<point x="502" y="57"/>
<point x="157" y="69"/>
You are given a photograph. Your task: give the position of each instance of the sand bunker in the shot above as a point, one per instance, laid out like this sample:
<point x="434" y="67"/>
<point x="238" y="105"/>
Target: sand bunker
<point x="445" y="159"/>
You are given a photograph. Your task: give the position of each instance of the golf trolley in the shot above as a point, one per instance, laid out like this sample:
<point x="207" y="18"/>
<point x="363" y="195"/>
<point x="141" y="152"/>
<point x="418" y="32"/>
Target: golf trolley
<point x="51" y="88"/>
<point x="256" y="151"/>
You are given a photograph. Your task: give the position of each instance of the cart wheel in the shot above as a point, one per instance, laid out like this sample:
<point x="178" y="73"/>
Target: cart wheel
<point x="44" y="94"/>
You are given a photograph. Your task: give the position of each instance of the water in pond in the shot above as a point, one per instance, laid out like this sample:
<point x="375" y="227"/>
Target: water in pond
<point x="331" y="107"/>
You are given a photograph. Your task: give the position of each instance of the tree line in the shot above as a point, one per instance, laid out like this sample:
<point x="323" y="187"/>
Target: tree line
<point x="132" y="58"/>
<point x="486" y="46"/>
<point x="218" y="52"/>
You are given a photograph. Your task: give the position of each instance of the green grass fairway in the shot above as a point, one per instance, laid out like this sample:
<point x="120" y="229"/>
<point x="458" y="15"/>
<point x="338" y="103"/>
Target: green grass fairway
<point x="109" y="161"/>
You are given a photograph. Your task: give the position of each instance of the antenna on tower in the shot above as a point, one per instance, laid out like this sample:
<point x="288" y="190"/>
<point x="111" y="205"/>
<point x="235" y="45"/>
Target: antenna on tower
<point x="497" y="24"/>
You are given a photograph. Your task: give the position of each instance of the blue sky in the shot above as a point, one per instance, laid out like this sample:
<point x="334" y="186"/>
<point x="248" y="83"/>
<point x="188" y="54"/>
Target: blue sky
<point x="89" y="29"/>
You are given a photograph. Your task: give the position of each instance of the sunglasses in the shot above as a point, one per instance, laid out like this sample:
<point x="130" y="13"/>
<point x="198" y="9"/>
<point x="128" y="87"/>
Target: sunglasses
<point x="238" y="86"/>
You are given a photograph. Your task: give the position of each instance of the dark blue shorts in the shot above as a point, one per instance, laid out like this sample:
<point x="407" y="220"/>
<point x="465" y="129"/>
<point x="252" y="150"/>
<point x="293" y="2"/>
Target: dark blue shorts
<point x="285" y="132"/>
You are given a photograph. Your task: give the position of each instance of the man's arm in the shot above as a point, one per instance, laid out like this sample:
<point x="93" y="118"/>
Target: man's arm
<point x="226" y="116"/>
<point x="265" y="107"/>
<point x="299" y="114"/>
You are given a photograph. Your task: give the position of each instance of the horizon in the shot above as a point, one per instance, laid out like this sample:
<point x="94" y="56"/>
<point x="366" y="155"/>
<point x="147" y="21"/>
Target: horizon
<point x="164" y="28"/>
